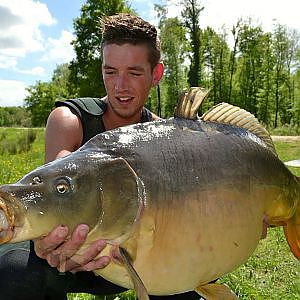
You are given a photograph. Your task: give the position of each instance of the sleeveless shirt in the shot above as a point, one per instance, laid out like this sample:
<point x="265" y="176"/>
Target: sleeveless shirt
<point x="90" y="112"/>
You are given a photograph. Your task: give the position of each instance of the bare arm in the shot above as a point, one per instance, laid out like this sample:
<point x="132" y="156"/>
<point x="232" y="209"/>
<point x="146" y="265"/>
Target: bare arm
<point x="63" y="133"/>
<point x="60" y="247"/>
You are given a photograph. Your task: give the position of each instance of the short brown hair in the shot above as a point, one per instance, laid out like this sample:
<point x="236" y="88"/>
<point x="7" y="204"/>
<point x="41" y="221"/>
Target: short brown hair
<point x="126" y="28"/>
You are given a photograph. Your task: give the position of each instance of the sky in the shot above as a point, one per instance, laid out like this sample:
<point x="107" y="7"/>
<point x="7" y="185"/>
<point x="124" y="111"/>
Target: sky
<point x="35" y="36"/>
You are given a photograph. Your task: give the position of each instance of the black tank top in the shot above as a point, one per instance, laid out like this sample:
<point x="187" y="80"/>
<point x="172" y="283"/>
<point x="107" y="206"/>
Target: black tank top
<point x="90" y="112"/>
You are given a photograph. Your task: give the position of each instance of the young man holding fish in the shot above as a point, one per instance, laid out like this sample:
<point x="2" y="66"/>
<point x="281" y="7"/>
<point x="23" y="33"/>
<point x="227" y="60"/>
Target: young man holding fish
<point x="131" y="67"/>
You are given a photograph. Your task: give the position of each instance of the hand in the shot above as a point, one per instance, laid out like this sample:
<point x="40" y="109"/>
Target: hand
<point x="63" y="252"/>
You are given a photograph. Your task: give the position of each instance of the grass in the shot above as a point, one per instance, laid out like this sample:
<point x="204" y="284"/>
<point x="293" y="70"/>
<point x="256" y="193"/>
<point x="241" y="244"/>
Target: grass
<point x="14" y="166"/>
<point x="289" y="151"/>
<point x="270" y="273"/>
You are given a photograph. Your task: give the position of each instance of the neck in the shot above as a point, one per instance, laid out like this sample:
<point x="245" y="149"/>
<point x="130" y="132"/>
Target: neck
<point x="111" y="120"/>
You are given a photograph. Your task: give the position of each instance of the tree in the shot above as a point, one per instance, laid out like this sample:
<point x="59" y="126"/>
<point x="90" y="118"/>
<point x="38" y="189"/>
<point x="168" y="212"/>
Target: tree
<point x="86" y="72"/>
<point x="61" y="78"/>
<point x="265" y="106"/>
<point x="250" y="66"/>
<point x="217" y="56"/>
<point x="296" y="106"/>
<point x="191" y="14"/>
<point x="280" y="49"/>
<point x="14" y="117"/>
<point x="42" y="95"/>
<point x="173" y="45"/>
<point x="232" y="63"/>
<point x="40" y="101"/>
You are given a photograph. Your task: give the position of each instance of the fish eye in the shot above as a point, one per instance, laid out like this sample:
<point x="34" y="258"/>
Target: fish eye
<point x="63" y="185"/>
<point x="62" y="188"/>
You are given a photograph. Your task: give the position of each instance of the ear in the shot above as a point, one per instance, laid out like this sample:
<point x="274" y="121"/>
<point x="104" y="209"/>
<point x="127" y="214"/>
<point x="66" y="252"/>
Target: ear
<point x="158" y="72"/>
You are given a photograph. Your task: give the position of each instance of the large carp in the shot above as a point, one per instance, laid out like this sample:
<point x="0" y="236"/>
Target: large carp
<point x="180" y="201"/>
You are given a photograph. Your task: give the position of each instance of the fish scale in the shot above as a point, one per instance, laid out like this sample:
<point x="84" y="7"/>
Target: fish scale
<point x="184" y="200"/>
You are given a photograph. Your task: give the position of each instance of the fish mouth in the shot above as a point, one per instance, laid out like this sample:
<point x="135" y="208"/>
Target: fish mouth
<point x="8" y="206"/>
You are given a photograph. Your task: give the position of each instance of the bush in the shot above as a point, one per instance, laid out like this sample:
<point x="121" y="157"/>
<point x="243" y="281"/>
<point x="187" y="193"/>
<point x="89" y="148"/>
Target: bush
<point x="285" y="130"/>
<point x="19" y="142"/>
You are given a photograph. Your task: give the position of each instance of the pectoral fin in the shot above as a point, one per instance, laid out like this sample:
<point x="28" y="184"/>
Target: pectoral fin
<point x="138" y="284"/>
<point x="215" y="291"/>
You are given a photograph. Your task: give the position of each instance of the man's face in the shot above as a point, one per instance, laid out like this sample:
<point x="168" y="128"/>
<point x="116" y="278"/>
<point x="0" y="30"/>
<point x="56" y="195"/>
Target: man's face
<point x="127" y="77"/>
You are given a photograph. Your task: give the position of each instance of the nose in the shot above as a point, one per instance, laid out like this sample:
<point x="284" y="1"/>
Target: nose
<point x="121" y="83"/>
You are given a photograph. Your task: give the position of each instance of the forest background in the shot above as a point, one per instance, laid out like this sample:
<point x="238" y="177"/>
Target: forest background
<point x="258" y="71"/>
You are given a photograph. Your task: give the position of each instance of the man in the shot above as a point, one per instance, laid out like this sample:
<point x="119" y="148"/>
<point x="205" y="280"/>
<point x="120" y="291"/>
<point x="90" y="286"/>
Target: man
<point x="131" y="67"/>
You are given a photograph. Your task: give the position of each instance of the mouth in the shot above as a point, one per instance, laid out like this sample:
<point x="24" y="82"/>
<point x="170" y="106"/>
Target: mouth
<point x="7" y="217"/>
<point x="6" y="231"/>
<point x="124" y="100"/>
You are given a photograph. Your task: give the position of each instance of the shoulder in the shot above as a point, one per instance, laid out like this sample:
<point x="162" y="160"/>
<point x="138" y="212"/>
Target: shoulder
<point x="63" y="116"/>
<point x="63" y="133"/>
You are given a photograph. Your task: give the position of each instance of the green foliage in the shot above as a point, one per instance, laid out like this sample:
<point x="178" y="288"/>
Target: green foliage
<point x="13" y="167"/>
<point x="14" y="117"/>
<point x="217" y="56"/>
<point x="296" y="99"/>
<point x="61" y="80"/>
<point x="129" y="295"/>
<point x="153" y="102"/>
<point x="191" y="16"/>
<point x="16" y="142"/>
<point x="285" y="130"/>
<point x="42" y="95"/>
<point x="40" y="102"/>
<point x="259" y="72"/>
<point x="250" y="67"/>
<point x="173" y="44"/>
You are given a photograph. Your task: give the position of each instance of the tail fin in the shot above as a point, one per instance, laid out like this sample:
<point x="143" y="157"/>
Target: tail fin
<point x="292" y="230"/>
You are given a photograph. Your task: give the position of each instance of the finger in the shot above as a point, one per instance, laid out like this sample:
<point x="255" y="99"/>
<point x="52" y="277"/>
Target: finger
<point x="59" y="256"/>
<point x="93" y="265"/>
<point x="45" y="245"/>
<point x="70" y="247"/>
<point x="53" y="259"/>
<point x="76" y="240"/>
<point x="81" y="258"/>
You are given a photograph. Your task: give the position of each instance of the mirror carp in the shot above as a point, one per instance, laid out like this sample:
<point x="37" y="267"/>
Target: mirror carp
<point x="180" y="201"/>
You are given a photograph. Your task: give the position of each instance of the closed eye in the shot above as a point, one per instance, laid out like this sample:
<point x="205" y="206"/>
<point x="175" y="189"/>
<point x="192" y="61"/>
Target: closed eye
<point x="109" y="72"/>
<point x="136" y="74"/>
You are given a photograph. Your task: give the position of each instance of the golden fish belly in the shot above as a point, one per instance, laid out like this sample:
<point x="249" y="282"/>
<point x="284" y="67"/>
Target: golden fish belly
<point x="192" y="242"/>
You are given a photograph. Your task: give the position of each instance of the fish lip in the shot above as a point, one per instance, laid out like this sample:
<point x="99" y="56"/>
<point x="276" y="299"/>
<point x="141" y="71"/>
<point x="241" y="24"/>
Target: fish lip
<point x="8" y="204"/>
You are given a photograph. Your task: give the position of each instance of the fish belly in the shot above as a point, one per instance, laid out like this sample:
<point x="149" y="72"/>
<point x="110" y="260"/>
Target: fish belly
<point x="192" y="243"/>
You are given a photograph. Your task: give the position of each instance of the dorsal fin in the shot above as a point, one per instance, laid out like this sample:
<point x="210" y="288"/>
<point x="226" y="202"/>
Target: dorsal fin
<point x="190" y="102"/>
<point x="225" y="113"/>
